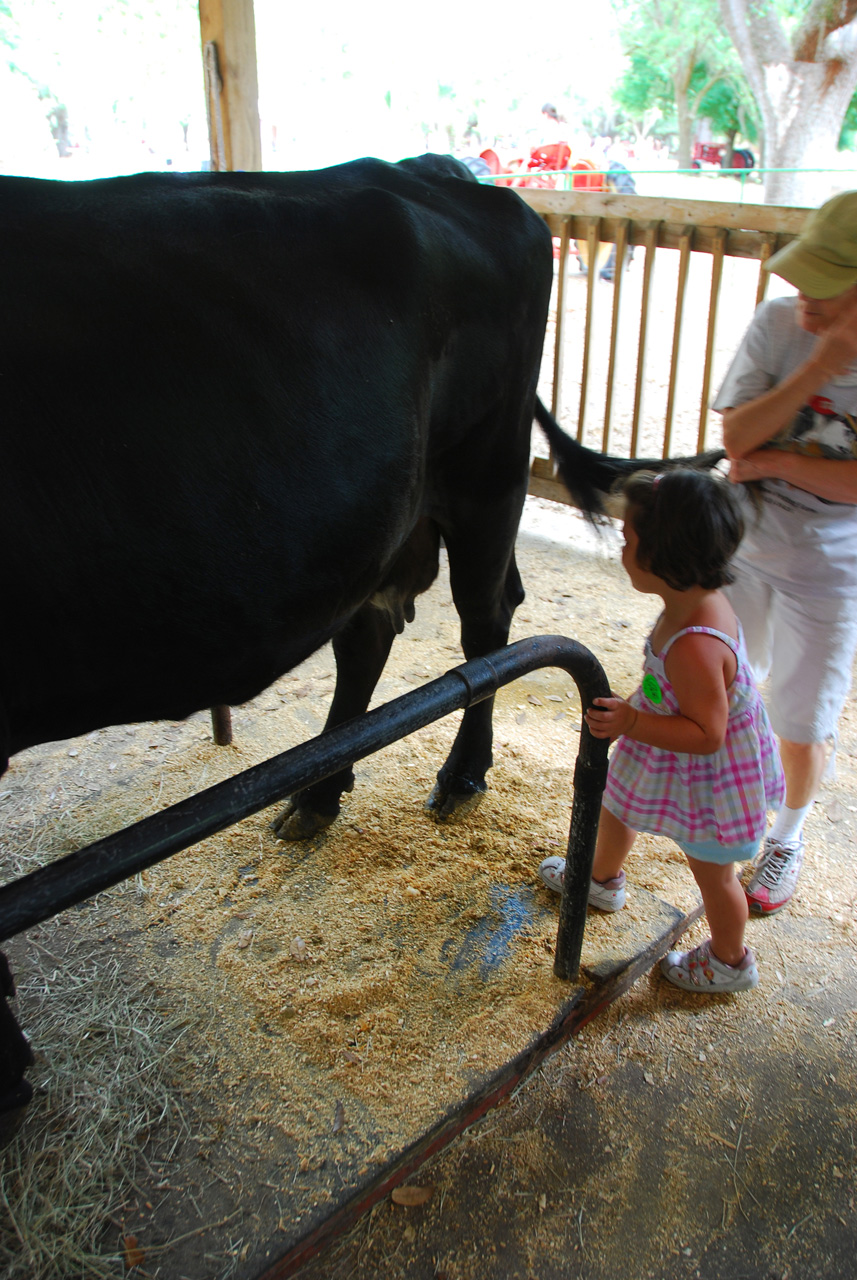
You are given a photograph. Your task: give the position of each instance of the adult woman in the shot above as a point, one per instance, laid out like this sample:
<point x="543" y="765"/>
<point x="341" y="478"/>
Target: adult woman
<point x="789" y="404"/>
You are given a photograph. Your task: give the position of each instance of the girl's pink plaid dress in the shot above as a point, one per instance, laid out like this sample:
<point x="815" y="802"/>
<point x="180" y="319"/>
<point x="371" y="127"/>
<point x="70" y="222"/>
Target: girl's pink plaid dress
<point x="722" y="797"/>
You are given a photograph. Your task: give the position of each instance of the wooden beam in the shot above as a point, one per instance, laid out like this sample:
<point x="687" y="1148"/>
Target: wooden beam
<point x="228" y="32"/>
<point x="701" y="213"/>
<point x="748" y="227"/>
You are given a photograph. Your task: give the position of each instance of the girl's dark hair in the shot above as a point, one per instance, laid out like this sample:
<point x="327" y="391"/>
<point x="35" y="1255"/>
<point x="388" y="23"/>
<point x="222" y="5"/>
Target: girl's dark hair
<point x="689" y="525"/>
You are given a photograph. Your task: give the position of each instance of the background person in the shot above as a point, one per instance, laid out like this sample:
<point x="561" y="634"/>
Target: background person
<point x="789" y="405"/>
<point x="554" y="127"/>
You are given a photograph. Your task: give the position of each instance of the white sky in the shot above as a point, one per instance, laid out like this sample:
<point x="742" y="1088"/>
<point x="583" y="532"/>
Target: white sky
<point x="499" y="52"/>
<point x="324" y="72"/>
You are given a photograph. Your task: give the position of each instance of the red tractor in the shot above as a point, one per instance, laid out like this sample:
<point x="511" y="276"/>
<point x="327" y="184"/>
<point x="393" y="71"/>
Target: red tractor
<point x="713" y="153"/>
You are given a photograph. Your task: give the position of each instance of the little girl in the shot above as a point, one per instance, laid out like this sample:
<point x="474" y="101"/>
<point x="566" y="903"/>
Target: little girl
<point x="695" y="758"/>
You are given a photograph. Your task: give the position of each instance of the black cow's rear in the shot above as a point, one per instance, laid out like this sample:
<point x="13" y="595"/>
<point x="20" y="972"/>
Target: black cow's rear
<point x="241" y="409"/>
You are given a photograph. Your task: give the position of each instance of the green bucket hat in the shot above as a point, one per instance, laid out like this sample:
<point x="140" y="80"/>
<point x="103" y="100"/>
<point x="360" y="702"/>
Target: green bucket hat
<point x="822" y="261"/>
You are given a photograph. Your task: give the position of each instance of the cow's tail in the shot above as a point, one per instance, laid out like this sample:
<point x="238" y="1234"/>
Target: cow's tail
<point x="590" y="477"/>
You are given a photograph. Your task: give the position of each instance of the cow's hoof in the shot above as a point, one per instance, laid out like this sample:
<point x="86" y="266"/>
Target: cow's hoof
<point x="296" y="823"/>
<point x="13" y="1110"/>
<point x="444" y="804"/>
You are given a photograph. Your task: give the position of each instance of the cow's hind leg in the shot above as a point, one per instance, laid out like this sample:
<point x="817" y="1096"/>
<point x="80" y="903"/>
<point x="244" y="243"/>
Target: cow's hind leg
<point x="486" y="595"/>
<point x="361" y="649"/>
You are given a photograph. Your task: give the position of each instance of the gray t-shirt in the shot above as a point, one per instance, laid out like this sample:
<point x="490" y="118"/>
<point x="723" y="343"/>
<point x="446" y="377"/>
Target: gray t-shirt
<point x="800" y="543"/>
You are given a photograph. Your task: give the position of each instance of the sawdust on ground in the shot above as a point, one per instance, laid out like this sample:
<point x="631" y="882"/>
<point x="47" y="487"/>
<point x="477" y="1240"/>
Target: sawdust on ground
<point x="303" y="952"/>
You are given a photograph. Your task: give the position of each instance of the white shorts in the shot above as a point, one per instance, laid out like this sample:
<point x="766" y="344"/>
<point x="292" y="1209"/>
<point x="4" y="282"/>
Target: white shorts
<point x="805" y="645"/>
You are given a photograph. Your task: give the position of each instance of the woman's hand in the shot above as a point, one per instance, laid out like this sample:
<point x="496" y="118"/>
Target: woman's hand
<point x="834" y="479"/>
<point x="837" y="343"/>
<point x="610" y="717"/>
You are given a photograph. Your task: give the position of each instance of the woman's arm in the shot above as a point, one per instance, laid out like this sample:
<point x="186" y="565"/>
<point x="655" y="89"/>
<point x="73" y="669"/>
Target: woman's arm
<point x="696" y="671"/>
<point x="752" y="424"/>
<point x="832" y="478"/>
<point x="748" y="426"/>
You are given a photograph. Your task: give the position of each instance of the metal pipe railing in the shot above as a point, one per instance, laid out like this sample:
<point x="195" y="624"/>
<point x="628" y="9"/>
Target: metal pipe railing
<point x="35" y="897"/>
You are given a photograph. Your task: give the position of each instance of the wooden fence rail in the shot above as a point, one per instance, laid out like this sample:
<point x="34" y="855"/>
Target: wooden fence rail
<point x="584" y="220"/>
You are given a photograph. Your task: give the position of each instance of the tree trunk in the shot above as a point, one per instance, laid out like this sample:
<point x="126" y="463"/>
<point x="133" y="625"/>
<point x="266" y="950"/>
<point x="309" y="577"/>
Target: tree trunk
<point x="795" y="149"/>
<point x="802" y="90"/>
<point x="802" y="123"/>
<point x="685" y="125"/>
<point x="681" y="84"/>
<point x="760" y="139"/>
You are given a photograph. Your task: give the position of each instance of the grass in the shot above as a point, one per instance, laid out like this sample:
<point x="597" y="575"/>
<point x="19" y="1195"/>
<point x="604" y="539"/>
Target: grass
<point x="104" y="1055"/>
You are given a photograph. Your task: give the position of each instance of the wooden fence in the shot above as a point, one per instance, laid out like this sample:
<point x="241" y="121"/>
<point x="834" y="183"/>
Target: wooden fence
<point x="693" y="232"/>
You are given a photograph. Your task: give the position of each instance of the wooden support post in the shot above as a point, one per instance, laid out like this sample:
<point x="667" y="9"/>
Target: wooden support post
<point x="767" y="251"/>
<point x="651" y="243"/>
<point x="619" y="248"/>
<point x="592" y="242"/>
<point x="559" y="334"/>
<point x="714" y="298"/>
<point x="228" y="33"/>
<point x="685" y="246"/>
<point x="221" y="726"/>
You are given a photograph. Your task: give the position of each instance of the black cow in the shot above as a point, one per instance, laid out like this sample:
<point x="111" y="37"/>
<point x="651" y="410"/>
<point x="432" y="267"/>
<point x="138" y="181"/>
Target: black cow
<point x="241" y="411"/>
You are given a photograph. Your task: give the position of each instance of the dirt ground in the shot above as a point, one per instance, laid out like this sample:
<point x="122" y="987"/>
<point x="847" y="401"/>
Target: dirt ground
<point x="670" y="1138"/>
<point x="673" y="1137"/>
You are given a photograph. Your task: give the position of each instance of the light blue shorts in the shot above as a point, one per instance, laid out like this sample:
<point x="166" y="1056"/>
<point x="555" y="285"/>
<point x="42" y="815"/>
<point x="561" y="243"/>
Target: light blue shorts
<point x="711" y="851"/>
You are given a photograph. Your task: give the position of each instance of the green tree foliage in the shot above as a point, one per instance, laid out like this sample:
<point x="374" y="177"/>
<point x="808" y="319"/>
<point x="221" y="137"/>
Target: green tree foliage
<point x="848" y="132"/>
<point x="729" y="106"/>
<point x="675" y="43"/>
<point x="644" y="93"/>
